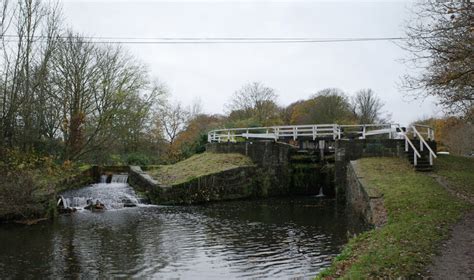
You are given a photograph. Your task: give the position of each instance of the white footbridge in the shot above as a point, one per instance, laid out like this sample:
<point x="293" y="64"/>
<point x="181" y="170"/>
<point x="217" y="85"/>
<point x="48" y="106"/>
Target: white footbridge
<point x="414" y="135"/>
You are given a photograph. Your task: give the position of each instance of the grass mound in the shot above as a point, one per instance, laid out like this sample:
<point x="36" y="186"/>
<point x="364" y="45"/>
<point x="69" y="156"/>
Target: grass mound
<point x="198" y="165"/>
<point x="420" y="212"/>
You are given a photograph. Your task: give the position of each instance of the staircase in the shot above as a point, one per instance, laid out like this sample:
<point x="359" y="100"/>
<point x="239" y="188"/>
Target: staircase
<point x="417" y="150"/>
<point x="422" y="162"/>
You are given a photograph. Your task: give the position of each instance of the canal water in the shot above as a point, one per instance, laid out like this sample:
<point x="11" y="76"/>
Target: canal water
<point x="273" y="238"/>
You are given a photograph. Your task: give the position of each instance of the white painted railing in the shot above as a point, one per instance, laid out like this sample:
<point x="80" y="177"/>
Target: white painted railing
<point x="334" y="131"/>
<point x="426" y="131"/>
<point x="294" y="132"/>
<point x="424" y="144"/>
<point x="408" y="142"/>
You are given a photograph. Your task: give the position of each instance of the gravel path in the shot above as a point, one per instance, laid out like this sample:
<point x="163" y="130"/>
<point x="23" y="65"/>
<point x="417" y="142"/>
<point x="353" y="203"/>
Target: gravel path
<point x="457" y="253"/>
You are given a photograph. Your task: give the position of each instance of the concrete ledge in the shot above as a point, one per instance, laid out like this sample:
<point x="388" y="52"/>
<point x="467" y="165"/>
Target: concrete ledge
<point x="364" y="199"/>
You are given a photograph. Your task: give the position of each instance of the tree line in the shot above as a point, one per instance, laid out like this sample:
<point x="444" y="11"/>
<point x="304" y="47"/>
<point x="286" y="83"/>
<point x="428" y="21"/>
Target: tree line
<point x="62" y="95"/>
<point x="65" y="96"/>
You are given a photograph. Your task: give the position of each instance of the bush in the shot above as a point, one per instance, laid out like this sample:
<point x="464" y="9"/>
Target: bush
<point x="137" y="159"/>
<point x="17" y="195"/>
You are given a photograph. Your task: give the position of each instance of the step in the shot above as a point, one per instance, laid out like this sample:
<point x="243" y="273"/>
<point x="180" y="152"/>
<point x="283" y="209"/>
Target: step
<point x="424" y="169"/>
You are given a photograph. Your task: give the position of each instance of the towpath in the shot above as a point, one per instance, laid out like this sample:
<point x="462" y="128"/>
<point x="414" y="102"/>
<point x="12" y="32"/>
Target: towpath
<point x="456" y="260"/>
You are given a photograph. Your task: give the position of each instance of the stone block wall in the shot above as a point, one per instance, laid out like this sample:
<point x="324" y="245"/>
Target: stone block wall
<point x="347" y="150"/>
<point x="363" y="200"/>
<point x="263" y="153"/>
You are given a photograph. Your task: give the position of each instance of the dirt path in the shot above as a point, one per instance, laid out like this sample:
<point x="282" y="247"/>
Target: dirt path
<point x="457" y="253"/>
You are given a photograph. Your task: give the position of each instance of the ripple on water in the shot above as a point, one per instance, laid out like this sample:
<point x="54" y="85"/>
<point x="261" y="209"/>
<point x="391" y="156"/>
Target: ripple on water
<point x="278" y="238"/>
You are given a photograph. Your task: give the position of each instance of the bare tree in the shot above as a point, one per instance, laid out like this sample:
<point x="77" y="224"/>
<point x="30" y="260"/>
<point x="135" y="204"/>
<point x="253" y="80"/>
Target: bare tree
<point x="62" y="94"/>
<point x="442" y="46"/>
<point x="366" y="107"/>
<point x="255" y="100"/>
<point x="173" y="119"/>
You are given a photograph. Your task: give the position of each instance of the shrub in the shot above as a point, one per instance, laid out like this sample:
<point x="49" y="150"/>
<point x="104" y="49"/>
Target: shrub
<point x="17" y="195"/>
<point x="137" y="159"/>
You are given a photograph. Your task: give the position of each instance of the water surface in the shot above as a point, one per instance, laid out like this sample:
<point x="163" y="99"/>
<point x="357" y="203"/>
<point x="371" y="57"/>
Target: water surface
<point x="274" y="238"/>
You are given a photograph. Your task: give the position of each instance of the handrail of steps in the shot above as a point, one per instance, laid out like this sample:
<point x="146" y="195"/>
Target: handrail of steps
<point x="408" y="142"/>
<point x="423" y="143"/>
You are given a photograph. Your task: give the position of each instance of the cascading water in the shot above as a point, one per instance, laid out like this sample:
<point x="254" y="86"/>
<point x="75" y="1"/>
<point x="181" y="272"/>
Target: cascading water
<point x="115" y="195"/>
<point x="119" y="178"/>
<point x="103" y="178"/>
<point x="321" y="193"/>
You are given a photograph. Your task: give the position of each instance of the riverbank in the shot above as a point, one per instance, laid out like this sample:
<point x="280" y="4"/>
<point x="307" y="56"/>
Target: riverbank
<point x="420" y="213"/>
<point x="29" y="186"/>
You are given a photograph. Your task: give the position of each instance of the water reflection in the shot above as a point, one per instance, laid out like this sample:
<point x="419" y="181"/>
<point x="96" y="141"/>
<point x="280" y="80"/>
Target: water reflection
<point x="277" y="238"/>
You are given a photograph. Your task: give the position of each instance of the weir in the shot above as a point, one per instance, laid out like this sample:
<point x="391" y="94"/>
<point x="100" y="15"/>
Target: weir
<point x="100" y="196"/>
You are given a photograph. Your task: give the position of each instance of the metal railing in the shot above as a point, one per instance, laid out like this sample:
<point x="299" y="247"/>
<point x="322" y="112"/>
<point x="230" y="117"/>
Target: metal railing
<point x="294" y="132"/>
<point x="408" y="142"/>
<point x="425" y="130"/>
<point x="334" y="131"/>
<point x="423" y="143"/>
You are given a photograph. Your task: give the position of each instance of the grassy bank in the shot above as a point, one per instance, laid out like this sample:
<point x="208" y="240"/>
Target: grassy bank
<point x="198" y="165"/>
<point x="420" y="213"/>
<point x="29" y="185"/>
<point x="459" y="171"/>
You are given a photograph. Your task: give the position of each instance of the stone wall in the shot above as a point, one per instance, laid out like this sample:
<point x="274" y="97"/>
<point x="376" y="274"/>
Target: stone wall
<point x="363" y="200"/>
<point x="237" y="183"/>
<point x="296" y="176"/>
<point x="272" y="175"/>
<point x="263" y="153"/>
<point x="347" y="150"/>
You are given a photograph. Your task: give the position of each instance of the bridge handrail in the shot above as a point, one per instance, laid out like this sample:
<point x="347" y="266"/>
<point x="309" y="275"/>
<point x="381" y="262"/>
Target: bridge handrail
<point x="295" y="131"/>
<point x="408" y="142"/>
<point x="429" y="130"/>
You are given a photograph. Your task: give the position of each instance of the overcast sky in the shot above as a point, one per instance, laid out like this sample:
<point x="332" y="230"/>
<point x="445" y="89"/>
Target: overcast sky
<point x="213" y="72"/>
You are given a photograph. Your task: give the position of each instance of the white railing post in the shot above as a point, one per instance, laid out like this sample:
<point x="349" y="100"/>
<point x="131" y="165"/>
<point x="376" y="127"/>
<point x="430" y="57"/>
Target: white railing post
<point x="295" y="131"/>
<point x="406" y="145"/>
<point x="414" y="158"/>
<point x="363" y="132"/>
<point x="421" y="145"/>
